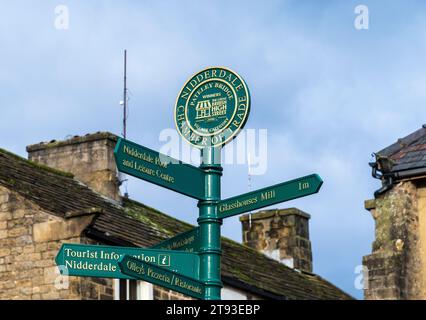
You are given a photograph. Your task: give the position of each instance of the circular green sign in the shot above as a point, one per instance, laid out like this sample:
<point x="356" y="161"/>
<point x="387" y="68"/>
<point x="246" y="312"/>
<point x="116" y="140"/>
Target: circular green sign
<point x="212" y="107"/>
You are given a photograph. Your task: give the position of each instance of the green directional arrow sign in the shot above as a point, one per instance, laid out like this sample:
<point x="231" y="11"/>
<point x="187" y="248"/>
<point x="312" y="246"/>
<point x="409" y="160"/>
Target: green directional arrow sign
<point x="102" y="261"/>
<point x="139" y="269"/>
<point x="159" y="169"/>
<point x="187" y="241"/>
<point x="254" y="200"/>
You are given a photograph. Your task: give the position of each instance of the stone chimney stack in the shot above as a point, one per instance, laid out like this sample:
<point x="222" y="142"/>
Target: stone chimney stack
<point x="282" y="235"/>
<point x="90" y="158"/>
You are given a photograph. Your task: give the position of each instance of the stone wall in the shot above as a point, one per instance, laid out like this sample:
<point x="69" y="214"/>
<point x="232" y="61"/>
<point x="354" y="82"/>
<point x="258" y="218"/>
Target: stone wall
<point x="396" y="268"/>
<point x="29" y="242"/>
<point x="280" y="234"/>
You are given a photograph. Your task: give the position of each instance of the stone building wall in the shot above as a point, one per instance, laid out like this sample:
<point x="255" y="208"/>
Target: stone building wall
<point x="29" y="242"/>
<point x="396" y="267"/>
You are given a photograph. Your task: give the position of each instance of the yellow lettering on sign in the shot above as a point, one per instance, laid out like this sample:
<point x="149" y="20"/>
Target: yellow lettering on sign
<point x="237" y="204"/>
<point x="159" y="276"/>
<point x="128" y="163"/>
<point x="303" y="185"/>
<point x="185" y="285"/>
<point x="165" y="176"/>
<point x="267" y="195"/>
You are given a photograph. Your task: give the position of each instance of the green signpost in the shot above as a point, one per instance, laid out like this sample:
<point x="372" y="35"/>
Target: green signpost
<point x="139" y="269"/>
<point x="159" y="169"/>
<point x="86" y="260"/>
<point x="212" y="107"/>
<point x="285" y="191"/>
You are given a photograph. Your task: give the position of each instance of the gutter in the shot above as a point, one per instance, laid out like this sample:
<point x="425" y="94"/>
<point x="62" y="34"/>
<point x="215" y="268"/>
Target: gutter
<point x="389" y="177"/>
<point x="410" y="173"/>
<point x="386" y="176"/>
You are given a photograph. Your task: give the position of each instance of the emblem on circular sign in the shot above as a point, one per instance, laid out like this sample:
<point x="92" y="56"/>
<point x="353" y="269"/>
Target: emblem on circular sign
<point x="212" y="107"/>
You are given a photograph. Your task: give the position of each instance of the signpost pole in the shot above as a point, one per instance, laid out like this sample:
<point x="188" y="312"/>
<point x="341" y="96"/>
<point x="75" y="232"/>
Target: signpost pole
<point x="210" y="247"/>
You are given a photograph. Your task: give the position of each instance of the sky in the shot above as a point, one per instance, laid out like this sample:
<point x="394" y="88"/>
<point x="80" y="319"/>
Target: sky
<point x="328" y="93"/>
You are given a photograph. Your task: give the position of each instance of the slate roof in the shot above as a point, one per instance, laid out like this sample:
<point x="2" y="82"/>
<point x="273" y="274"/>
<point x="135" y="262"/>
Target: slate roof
<point x="407" y="153"/>
<point x="135" y="224"/>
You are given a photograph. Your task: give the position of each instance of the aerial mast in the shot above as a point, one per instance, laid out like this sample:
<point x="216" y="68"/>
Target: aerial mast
<point x="122" y="177"/>
<point x="125" y="97"/>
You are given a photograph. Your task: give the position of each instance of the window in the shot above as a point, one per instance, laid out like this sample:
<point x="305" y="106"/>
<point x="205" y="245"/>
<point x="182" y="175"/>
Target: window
<point x="132" y="290"/>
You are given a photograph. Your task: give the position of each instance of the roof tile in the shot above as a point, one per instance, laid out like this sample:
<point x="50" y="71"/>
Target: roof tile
<point x="408" y="152"/>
